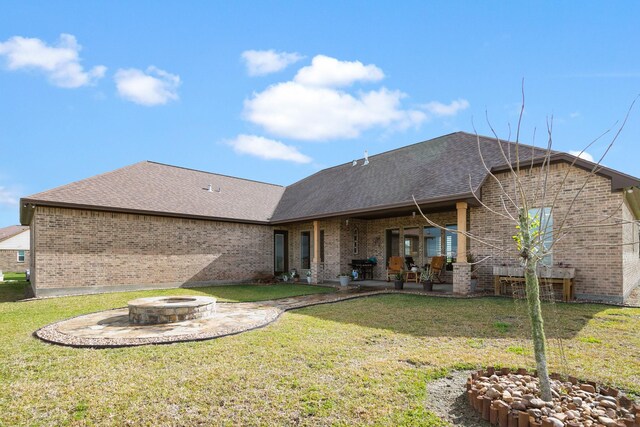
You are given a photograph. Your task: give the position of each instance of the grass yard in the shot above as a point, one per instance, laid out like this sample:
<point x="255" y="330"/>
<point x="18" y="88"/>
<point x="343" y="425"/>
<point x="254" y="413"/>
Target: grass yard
<point x="14" y="287"/>
<point x="357" y="362"/>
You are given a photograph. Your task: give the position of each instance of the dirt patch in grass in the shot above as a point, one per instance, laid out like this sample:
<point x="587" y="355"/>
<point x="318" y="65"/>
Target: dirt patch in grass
<point x="447" y="398"/>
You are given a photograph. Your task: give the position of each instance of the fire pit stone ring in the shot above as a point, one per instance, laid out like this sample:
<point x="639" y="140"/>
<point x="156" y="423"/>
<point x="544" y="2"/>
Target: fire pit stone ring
<point x="170" y="309"/>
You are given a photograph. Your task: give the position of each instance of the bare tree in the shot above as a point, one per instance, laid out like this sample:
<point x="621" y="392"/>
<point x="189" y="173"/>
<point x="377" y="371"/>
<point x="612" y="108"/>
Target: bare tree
<point x="529" y="206"/>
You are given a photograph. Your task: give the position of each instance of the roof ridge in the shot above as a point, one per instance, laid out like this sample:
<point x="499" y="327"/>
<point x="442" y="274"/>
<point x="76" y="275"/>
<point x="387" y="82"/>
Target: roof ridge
<point x="90" y="178"/>
<point x="213" y="173"/>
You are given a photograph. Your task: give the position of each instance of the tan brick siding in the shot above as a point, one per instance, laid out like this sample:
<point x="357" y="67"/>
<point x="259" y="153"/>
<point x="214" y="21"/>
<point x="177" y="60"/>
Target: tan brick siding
<point x="598" y="268"/>
<point x="83" y="248"/>
<point x="9" y="261"/>
<point x="332" y="244"/>
<point x="630" y="252"/>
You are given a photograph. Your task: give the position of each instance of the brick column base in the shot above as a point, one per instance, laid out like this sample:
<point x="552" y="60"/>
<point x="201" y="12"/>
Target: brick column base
<point x="315" y="273"/>
<point x="461" y="278"/>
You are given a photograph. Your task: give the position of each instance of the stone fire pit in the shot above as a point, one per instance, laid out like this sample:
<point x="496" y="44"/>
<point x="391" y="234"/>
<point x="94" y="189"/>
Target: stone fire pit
<point x="170" y="309"/>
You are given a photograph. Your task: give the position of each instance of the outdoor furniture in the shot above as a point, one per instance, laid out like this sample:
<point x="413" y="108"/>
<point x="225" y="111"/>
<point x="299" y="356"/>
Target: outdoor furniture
<point x="436" y="267"/>
<point x="564" y="276"/>
<point x="412" y="276"/>
<point x="409" y="262"/>
<point x="394" y="267"/>
<point x="364" y="267"/>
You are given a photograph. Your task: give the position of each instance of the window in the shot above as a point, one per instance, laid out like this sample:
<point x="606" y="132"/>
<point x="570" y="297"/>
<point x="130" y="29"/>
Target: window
<point x="412" y="243"/>
<point x="432" y="242"/>
<point x="20" y="256"/>
<point x="355" y="241"/>
<point x="392" y="243"/>
<point x="451" y="243"/>
<point x="280" y="252"/>
<point x="305" y="250"/>
<point x="546" y="232"/>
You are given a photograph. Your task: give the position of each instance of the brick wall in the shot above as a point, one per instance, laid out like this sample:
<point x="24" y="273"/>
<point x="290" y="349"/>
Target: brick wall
<point x="332" y="244"/>
<point x="594" y="251"/>
<point x="630" y="252"/>
<point x="9" y="261"/>
<point x="84" y="249"/>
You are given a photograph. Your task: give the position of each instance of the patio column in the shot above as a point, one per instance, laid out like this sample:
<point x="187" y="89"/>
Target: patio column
<point x="461" y="268"/>
<point x="315" y="262"/>
<point x="462" y="230"/>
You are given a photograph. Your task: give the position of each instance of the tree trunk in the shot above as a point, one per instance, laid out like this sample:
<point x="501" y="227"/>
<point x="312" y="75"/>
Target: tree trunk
<point x="532" y="290"/>
<point x="537" y="328"/>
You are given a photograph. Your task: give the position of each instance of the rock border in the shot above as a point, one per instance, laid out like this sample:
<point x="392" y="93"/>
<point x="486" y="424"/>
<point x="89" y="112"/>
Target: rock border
<point x="509" y="399"/>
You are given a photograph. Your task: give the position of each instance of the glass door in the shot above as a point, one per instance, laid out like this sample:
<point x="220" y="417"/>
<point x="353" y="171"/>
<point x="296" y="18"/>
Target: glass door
<point x="280" y="252"/>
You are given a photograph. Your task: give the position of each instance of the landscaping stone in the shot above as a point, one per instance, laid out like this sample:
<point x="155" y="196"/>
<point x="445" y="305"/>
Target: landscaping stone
<point x="573" y="404"/>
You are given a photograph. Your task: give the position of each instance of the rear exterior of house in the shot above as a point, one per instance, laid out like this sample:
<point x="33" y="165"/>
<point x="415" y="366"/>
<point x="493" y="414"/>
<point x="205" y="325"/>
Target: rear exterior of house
<point x="14" y="249"/>
<point x="171" y="226"/>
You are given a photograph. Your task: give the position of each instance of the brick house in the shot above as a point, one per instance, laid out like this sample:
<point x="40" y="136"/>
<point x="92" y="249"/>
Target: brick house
<point x="151" y="225"/>
<point x="14" y="249"/>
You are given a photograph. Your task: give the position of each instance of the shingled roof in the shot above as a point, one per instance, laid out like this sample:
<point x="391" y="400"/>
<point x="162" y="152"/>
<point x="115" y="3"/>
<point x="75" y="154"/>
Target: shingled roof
<point x="443" y="168"/>
<point x="438" y="172"/>
<point x="11" y="231"/>
<point x="156" y="188"/>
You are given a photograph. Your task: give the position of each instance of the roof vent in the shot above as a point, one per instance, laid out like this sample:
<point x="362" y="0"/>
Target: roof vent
<point x="366" y="158"/>
<point x="210" y="189"/>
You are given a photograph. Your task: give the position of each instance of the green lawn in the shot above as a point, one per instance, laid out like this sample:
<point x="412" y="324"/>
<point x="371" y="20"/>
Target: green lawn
<point x="14" y="287"/>
<point x="358" y="362"/>
<point x="15" y="276"/>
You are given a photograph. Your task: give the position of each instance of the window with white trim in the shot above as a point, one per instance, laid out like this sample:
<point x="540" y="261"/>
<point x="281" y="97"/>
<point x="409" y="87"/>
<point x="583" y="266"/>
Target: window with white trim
<point x="545" y="239"/>
<point x="20" y="256"/>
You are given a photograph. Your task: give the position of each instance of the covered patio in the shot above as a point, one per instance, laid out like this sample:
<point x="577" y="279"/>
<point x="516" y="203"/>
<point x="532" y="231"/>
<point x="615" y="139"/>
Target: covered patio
<point x="364" y="242"/>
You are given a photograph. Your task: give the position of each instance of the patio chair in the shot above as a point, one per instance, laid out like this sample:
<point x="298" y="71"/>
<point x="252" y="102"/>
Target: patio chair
<point x="394" y="267"/>
<point x="437" y="266"/>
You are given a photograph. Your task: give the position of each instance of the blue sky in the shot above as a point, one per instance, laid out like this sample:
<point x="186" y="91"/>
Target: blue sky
<point x="274" y="91"/>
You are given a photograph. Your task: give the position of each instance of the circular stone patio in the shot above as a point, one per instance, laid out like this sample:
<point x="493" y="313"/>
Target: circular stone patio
<point x="111" y="328"/>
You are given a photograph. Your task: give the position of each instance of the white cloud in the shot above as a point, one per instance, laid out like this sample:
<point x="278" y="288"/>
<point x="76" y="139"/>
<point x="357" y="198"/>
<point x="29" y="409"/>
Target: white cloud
<point x="446" y="110"/>
<point x="327" y="71"/>
<point x="153" y="87"/>
<point x="584" y="155"/>
<point x="8" y="197"/>
<point x="574" y="115"/>
<point x="261" y="62"/>
<point x="60" y="63"/>
<point x="316" y="106"/>
<point x="267" y="149"/>
<point x="297" y="111"/>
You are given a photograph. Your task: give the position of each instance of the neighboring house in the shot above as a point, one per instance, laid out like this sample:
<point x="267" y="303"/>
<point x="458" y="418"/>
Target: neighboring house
<point x="151" y="225"/>
<point x="14" y="248"/>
